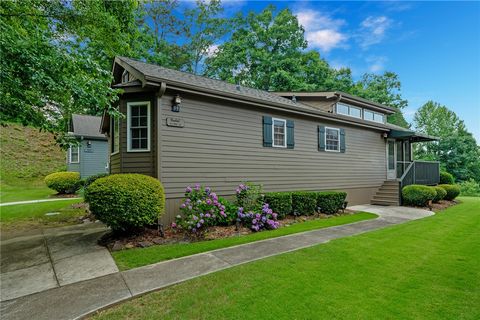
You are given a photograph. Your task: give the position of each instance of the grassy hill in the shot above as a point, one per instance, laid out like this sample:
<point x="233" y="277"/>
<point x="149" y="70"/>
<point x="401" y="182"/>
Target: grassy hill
<point x="26" y="157"/>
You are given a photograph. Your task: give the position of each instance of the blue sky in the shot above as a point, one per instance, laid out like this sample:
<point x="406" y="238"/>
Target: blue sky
<point x="433" y="46"/>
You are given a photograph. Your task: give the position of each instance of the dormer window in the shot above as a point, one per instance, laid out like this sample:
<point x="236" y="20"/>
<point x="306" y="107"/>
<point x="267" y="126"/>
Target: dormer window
<point x="373" y="116"/>
<point x="125" y="76"/>
<point x="349" y="110"/>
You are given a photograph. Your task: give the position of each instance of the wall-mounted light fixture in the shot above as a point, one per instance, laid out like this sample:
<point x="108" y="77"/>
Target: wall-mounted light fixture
<point x="177" y="101"/>
<point x="385" y="135"/>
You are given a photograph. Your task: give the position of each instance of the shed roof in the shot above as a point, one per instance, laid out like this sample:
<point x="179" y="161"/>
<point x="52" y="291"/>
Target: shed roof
<point x="86" y="126"/>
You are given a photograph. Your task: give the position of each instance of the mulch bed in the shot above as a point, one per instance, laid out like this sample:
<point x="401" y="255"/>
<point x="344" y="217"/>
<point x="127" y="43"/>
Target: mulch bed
<point x="441" y="205"/>
<point x="64" y="195"/>
<point x="152" y="236"/>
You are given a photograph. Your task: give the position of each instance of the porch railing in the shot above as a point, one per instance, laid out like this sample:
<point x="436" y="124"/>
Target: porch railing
<point x="420" y="172"/>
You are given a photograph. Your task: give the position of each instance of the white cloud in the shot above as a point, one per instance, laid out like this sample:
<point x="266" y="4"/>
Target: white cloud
<point x="373" y="30"/>
<point x="376" y="64"/>
<point x="321" y="30"/>
<point x="325" y="39"/>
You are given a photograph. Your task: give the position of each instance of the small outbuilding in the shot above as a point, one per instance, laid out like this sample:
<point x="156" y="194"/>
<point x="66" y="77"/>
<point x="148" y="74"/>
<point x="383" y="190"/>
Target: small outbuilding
<point x="90" y="156"/>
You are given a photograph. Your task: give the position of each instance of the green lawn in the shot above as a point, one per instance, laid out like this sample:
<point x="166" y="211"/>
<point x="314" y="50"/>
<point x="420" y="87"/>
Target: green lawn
<point x="31" y="190"/>
<point x="138" y="257"/>
<point x="31" y="215"/>
<point x="424" y="269"/>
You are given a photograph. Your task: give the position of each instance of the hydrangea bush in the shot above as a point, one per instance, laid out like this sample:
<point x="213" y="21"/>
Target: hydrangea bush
<point x="200" y="209"/>
<point x="249" y="197"/>
<point x="267" y="219"/>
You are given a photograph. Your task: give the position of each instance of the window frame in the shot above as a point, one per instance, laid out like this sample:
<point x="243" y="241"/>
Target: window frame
<point x="284" y="130"/>
<point x="114" y="151"/>
<point x="373" y="116"/>
<point x="348" y="106"/>
<point x="129" y="114"/>
<point x="339" y="142"/>
<point x="70" y="154"/>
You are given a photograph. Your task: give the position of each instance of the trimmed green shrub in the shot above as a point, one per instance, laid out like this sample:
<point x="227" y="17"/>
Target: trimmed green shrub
<point x="126" y="202"/>
<point x="452" y="191"/>
<point x="330" y="201"/>
<point x="64" y="182"/>
<point x="446" y="178"/>
<point x="304" y="202"/>
<point x="470" y="188"/>
<point x="418" y="195"/>
<point x="279" y="202"/>
<point x="441" y="193"/>
<point x="88" y="181"/>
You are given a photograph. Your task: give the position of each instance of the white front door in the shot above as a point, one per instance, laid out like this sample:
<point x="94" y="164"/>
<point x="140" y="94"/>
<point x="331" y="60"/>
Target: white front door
<point x="391" y="159"/>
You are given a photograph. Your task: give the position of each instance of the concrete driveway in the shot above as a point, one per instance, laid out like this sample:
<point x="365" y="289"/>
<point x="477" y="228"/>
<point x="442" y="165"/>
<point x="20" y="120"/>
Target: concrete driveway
<point x="50" y="258"/>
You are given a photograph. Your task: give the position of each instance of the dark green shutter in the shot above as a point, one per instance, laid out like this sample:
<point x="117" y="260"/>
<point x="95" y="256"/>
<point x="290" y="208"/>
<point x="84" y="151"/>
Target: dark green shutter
<point x="321" y="138"/>
<point x="267" y="131"/>
<point x="290" y="134"/>
<point x="342" y="140"/>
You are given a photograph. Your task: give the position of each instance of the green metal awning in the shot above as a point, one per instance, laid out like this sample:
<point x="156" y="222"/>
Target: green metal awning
<point x="411" y="135"/>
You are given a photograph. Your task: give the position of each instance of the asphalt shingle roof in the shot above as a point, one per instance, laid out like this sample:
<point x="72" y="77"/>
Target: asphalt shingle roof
<point x="174" y="76"/>
<point x="87" y="126"/>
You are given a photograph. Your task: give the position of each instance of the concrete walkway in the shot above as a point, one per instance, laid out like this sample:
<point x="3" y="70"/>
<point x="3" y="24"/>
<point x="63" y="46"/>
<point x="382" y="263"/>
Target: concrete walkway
<point x="82" y="298"/>
<point x="50" y="258"/>
<point x="35" y="201"/>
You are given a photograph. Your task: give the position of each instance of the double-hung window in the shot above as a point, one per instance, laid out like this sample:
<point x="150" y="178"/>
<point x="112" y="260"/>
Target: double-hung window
<point x="138" y="126"/>
<point x="332" y="139"/>
<point x="279" y="133"/>
<point x="74" y="154"/>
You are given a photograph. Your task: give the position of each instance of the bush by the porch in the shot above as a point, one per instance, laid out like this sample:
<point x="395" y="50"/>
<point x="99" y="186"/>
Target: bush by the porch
<point x="446" y="178"/>
<point x="63" y="182"/>
<point x="452" y="191"/>
<point x="126" y="202"/>
<point x="279" y="202"/>
<point x="88" y="181"/>
<point x="330" y="201"/>
<point x="304" y="202"/>
<point x="441" y="193"/>
<point x="418" y="195"/>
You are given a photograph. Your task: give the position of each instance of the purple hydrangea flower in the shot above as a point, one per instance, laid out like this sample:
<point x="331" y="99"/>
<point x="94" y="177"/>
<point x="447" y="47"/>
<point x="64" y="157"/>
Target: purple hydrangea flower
<point x="207" y="215"/>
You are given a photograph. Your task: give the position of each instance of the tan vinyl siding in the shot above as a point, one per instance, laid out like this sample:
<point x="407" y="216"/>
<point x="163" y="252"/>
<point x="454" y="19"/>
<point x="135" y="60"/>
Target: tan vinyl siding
<point x="221" y="146"/>
<point x="115" y="163"/>
<point x="324" y="105"/>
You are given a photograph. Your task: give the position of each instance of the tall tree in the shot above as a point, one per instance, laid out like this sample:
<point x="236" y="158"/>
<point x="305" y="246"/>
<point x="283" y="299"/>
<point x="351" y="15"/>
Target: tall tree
<point x="43" y="81"/>
<point x="383" y="89"/>
<point x="167" y="28"/>
<point x="264" y="51"/>
<point x="205" y="29"/>
<point x="456" y="150"/>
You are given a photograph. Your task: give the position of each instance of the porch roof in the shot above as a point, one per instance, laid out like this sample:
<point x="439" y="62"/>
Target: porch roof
<point x="403" y="133"/>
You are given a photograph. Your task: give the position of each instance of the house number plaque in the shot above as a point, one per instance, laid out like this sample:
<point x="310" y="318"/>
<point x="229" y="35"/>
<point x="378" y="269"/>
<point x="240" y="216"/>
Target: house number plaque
<point x="175" y="122"/>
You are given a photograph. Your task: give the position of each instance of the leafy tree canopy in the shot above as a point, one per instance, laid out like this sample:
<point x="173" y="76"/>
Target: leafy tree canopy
<point x="456" y="150"/>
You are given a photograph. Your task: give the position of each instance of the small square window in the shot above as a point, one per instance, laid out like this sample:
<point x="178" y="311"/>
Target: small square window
<point x="332" y="139"/>
<point x="279" y="133"/>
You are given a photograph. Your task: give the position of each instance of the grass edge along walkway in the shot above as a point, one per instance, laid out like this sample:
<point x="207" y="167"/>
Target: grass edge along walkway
<point x="138" y="257"/>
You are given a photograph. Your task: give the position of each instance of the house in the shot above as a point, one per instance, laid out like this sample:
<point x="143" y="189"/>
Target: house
<point x="90" y="156"/>
<point x="184" y="129"/>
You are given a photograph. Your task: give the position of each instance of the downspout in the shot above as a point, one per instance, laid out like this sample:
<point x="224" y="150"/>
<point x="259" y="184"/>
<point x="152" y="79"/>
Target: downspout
<point x="159" y="94"/>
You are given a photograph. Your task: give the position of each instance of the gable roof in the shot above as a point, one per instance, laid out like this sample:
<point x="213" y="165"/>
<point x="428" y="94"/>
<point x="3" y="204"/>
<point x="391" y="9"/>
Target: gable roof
<point x="155" y="73"/>
<point x="86" y="126"/>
